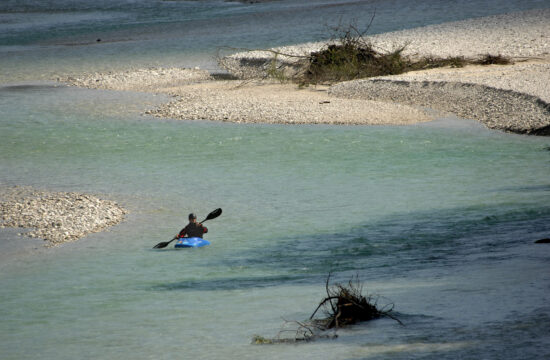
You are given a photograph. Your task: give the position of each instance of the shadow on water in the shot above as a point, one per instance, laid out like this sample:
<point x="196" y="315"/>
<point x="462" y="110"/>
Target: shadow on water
<point x="533" y="188"/>
<point x="403" y="242"/>
<point x="30" y="87"/>
<point x="234" y="283"/>
<point x="406" y="240"/>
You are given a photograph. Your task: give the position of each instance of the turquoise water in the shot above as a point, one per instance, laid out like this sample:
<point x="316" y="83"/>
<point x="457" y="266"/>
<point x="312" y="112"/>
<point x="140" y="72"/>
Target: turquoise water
<point x="438" y="218"/>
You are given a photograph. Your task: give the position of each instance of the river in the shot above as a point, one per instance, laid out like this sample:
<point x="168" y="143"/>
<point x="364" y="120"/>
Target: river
<point x="438" y="219"/>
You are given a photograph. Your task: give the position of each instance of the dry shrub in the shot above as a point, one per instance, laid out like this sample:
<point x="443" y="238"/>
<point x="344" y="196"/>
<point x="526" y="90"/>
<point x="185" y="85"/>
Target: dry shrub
<point x="350" y="55"/>
<point x="344" y="305"/>
<point x="489" y="59"/>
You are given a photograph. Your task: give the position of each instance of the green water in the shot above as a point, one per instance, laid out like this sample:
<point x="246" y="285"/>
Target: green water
<point x="437" y="217"/>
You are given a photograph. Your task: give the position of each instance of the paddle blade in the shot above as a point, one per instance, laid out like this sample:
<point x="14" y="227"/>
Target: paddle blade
<point x="161" y="245"/>
<point x="214" y="214"/>
<point x="164" y="244"/>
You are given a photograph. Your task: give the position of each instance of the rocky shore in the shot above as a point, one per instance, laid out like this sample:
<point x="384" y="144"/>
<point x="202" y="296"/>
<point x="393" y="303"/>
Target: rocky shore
<point x="56" y="217"/>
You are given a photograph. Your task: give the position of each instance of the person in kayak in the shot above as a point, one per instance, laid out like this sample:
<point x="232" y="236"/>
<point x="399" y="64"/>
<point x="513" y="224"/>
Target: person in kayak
<point x="193" y="229"/>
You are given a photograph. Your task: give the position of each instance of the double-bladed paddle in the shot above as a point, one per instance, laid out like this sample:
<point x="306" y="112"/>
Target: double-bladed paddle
<point x="214" y="214"/>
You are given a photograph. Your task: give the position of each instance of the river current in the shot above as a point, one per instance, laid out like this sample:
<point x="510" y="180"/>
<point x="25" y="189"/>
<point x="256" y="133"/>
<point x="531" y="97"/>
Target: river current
<point x="438" y="219"/>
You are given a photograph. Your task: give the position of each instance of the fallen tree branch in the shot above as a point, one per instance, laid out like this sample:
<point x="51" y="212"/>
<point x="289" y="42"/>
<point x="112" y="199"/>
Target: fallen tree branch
<point x="344" y="305"/>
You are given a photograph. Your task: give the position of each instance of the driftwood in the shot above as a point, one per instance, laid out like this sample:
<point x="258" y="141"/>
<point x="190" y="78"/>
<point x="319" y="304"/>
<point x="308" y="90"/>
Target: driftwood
<point x="344" y="305"/>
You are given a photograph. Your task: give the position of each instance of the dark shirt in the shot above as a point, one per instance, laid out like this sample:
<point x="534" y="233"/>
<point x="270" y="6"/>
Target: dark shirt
<point x="193" y="230"/>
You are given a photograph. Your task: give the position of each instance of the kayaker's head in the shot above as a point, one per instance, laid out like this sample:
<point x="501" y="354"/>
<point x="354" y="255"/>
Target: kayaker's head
<point x="192" y="217"/>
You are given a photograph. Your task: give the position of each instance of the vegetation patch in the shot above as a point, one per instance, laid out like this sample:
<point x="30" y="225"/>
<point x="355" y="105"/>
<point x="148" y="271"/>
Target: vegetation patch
<point x="489" y="59"/>
<point x="353" y="56"/>
<point x="347" y="61"/>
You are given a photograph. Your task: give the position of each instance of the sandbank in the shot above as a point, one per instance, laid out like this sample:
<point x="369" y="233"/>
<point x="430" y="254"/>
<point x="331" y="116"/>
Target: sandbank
<point x="268" y="102"/>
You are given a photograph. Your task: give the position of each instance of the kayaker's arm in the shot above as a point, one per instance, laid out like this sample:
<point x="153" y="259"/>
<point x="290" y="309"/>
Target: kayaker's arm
<point x="204" y="228"/>
<point x="182" y="233"/>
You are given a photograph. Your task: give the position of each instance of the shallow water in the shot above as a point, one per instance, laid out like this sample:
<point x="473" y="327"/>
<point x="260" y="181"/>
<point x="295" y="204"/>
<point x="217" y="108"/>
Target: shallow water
<point x="438" y="218"/>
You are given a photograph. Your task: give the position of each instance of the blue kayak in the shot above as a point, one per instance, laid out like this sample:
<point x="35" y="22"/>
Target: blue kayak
<point x="191" y="242"/>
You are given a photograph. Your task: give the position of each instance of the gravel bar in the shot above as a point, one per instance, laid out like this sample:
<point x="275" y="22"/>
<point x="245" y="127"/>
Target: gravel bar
<point x="498" y="109"/>
<point x="512" y="98"/>
<point x="56" y="217"/>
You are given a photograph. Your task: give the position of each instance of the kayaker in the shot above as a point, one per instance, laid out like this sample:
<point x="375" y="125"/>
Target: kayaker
<point x="193" y="229"/>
